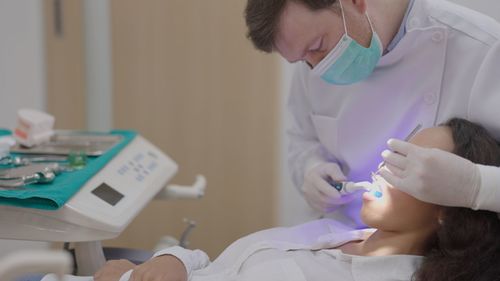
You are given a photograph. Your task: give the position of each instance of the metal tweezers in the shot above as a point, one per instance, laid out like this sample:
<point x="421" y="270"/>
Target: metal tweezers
<point x="17" y="178"/>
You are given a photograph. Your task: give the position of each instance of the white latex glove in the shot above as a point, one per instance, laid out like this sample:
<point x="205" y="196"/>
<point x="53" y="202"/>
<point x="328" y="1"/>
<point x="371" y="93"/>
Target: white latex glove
<point x="431" y="175"/>
<point x="319" y="193"/>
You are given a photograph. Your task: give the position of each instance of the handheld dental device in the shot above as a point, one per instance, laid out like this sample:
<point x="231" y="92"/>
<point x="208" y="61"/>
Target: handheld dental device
<point x="345" y="188"/>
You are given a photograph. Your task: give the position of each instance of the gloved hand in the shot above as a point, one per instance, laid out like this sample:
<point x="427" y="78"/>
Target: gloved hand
<point x="317" y="190"/>
<point x="431" y="175"/>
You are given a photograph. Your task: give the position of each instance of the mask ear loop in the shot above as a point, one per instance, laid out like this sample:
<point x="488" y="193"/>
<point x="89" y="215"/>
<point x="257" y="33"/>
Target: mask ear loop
<point x="345" y="24"/>
<point x="343" y="17"/>
<point x="371" y="25"/>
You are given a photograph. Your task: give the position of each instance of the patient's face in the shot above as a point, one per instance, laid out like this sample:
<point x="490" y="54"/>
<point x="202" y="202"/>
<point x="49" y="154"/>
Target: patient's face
<point x="397" y="211"/>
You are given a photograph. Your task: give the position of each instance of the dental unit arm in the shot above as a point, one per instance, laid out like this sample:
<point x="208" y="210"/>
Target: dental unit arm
<point x="174" y="191"/>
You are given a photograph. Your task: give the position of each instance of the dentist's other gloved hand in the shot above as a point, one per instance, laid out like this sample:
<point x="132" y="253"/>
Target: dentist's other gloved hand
<point x="431" y="174"/>
<point x="317" y="190"/>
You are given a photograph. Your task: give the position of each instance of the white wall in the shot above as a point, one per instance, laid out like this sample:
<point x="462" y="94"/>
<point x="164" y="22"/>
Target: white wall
<point x="98" y="65"/>
<point x="292" y="207"/>
<point x="22" y="78"/>
<point x="22" y="69"/>
<point x="488" y="7"/>
<point x="21" y="58"/>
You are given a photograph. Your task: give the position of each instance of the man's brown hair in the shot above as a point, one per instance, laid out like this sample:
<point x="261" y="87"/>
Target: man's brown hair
<point x="262" y="17"/>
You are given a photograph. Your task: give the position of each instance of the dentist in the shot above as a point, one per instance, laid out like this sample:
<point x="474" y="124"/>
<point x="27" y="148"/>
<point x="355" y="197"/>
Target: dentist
<point x="369" y="71"/>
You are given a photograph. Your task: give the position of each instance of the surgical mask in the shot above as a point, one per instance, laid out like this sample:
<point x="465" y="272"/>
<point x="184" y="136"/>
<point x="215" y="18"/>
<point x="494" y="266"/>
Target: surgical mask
<point x="349" y="62"/>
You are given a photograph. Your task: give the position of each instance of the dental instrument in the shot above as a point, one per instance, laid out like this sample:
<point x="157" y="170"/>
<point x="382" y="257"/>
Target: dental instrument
<point x="350" y="187"/>
<point x="345" y="188"/>
<point x="377" y="190"/>
<point x="74" y="161"/>
<point x="26" y="171"/>
<point x="19" y="183"/>
<point x="408" y="137"/>
<point x="18" y="178"/>
<point x="29" y="159"/>
<point x="68" y="142"/>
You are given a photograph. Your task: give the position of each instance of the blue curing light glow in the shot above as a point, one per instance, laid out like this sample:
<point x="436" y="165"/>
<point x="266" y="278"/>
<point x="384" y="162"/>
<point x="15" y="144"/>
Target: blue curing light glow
<point x="377" y="194"/>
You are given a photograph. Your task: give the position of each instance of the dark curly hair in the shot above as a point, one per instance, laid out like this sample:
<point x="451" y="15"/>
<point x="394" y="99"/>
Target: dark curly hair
<point x="262" y="17"/>
<point x="467" y="243"/>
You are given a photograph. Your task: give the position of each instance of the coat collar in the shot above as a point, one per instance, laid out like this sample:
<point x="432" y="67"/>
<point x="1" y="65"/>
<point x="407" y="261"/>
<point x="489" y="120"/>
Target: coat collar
<point x="398" y="267"/>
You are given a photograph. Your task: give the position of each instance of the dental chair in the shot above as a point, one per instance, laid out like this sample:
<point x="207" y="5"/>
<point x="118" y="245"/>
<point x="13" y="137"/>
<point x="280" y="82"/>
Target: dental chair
<point x="29" y="265"/>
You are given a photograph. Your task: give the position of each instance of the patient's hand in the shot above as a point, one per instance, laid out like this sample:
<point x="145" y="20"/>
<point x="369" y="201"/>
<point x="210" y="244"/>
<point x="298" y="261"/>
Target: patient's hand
<point x="162" y="268"/>
<point x="113" y="270"/>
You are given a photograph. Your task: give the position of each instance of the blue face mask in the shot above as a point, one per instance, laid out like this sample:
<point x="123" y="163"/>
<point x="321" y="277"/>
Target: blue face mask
<point x="349" y="62"/>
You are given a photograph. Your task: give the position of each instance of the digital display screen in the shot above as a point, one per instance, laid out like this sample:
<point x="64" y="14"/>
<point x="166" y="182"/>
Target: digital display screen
<point x="108" y="194"/>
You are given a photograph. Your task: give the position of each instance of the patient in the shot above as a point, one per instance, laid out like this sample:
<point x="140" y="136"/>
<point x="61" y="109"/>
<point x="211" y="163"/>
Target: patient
<point x="409" y="239"/>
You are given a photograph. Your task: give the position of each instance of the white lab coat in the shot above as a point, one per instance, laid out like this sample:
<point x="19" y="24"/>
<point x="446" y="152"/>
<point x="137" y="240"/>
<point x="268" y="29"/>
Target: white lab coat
<point x="447" y="65"/>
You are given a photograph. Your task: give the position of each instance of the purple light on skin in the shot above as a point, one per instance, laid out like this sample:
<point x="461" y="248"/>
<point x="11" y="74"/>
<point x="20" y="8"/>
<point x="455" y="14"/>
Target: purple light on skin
<point x="376" y="193"/>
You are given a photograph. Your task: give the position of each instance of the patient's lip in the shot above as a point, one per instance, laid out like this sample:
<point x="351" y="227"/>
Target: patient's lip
<point x="368" y="196"/>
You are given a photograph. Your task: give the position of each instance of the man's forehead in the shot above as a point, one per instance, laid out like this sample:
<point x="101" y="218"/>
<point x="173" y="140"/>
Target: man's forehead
<point x="293" y="18"/>
<point x="286" y="49"/>
<point x="290" y="33"/>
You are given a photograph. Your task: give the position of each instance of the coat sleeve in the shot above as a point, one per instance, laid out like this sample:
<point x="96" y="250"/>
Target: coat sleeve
<point x="484" y="109"/>
<point x="304" y="147"/>
<point x="192" y="259"/>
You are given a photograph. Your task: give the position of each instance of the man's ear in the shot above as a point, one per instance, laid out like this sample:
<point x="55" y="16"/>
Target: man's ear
<point x="360" y="5"/>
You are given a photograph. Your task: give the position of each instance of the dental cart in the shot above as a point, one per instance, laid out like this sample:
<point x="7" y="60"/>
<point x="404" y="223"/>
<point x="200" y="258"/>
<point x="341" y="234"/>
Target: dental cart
<point x="101" y="209"/>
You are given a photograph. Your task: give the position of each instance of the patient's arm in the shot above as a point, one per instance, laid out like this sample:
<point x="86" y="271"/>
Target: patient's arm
<point x="171" y="264"/>
<point x="113" y="270"/>
<point x="190" y="259"/>
<point x="165" y="268"/>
